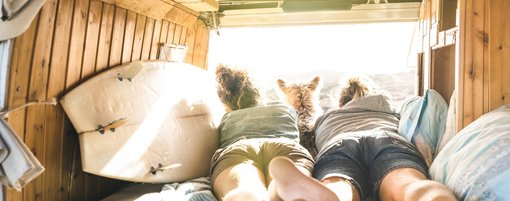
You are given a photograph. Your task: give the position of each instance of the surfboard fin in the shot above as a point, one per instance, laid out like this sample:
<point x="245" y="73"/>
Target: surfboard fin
<point x="134" y="69"/>
<point x="111" y="126"/>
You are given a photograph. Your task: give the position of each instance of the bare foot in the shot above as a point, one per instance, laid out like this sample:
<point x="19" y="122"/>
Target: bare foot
<point x="292" y="184"/>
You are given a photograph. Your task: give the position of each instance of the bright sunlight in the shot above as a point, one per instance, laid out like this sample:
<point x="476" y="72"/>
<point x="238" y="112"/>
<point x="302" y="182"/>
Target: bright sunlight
<point x="383" y="51"/>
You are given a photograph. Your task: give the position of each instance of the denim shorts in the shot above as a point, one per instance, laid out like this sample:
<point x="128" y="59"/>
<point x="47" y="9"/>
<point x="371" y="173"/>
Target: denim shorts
<point x="365" y="158"/>
<point x="259" y="152"/>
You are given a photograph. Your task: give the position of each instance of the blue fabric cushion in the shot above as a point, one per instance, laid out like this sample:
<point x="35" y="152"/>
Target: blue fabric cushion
<point x="423" y="122"/>
<point x="475" y="163"/>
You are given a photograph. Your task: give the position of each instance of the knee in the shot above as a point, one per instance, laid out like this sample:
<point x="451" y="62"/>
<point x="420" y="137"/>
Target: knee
<point x="427" y="190"/>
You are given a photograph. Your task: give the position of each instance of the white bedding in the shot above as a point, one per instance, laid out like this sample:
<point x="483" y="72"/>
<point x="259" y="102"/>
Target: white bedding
<point x="194" y="190"/>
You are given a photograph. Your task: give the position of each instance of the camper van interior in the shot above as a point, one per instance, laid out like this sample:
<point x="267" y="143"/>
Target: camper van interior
<point x="116" y="99"/>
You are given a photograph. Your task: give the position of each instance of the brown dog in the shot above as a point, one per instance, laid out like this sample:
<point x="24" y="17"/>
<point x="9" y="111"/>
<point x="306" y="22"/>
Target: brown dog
<point x="304" y="98"/>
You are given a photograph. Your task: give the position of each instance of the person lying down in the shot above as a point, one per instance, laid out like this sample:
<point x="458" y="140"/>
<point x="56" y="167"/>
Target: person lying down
<point x="361" y="156"/>
<point x="251" y="135"/>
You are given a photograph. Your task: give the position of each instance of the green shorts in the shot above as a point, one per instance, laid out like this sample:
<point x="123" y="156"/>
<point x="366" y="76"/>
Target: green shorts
<point x="259" y="152"/>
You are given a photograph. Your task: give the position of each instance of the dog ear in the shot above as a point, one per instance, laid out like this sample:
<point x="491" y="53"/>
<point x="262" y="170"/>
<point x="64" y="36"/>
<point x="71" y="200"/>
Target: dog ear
<point x="282" y="85"/>
<point x="314" y="83"/>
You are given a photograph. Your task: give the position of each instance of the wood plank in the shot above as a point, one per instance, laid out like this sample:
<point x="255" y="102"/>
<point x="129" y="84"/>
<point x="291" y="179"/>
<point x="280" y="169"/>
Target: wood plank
<point x="182" y="39"/>
<point x="78" y="181"/>
<point x="201" y="47"/>
<point x="129" y="34"/>
<point x="105" y="38"/>
<point x="35" y="137"/>
<point x="499" y="55"/>
<point x="190" y="43"/>
<point x="147" y="39"/>
<point x="461" y="60"/>
<point x="205" y="48"/>
<point x="74" y="73"/>
<point x="118" y="36"/>
<point x="198" y="45"/>
<point x="505" y="91"/>
<point x="164" y="31"/>
<point x="77" y="44"/>
<point x="474" y="99"/>
<point x="21" y="60"/>
<point x="156" y="9"/>
<point x="486" y="58"/>
<point x="181" y="17"/>
<point x="138" y="40"/>
<point x="163" y="35"/>
<point x="55" y="114"/>
<point x="177" y="34"/>
<point x="155" y="41"/>
<point x="444" y="71"/>
<point x="92" y="38"/>
<point x="170" y="33"/>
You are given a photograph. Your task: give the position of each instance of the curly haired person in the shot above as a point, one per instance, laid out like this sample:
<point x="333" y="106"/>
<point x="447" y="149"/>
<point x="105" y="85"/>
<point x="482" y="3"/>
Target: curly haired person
<point x="251" y="135"/>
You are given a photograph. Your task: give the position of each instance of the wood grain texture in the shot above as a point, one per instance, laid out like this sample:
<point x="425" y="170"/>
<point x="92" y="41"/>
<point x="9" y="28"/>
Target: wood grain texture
<point x="147" y="39"/>
<point x="129" y="33"/>
<point x="92" y="39"/>
<point x="54" y="114"/>
<point x="105" y="38"/>
<point x="68" y="42"/>
<point x="119" y="26"/>
<point x="35" y="125"/>
<point x="136" y="52"/>
<point x="499" y="58"/>
<point x="18" y="87"/>
<point x="155" y="40"/>
<point x="171" y="32"/>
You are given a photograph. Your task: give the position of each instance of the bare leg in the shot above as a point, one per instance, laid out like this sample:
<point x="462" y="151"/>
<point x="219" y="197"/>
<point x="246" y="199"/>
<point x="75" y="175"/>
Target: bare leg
<point x="290" y="183"/>
<point x="273" y="196"/>
<point x="242" y="182"/>
<point x="407" y="184"/>
<point x="342" y="188"/>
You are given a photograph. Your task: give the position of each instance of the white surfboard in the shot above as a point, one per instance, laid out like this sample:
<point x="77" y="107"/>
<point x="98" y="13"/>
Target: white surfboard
<point x="157" y="124"/>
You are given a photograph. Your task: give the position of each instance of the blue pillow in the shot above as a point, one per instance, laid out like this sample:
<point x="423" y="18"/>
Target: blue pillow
<point x="423" y="122"/>
<point x="475" y="163"/>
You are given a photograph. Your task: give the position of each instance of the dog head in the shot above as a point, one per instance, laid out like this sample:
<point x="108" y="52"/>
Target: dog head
<point x="302" y="96"/>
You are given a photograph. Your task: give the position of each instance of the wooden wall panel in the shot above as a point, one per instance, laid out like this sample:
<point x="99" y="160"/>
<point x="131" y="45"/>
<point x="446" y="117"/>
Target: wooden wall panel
<point x="54" y="115"/>
<point x="147" y="39"/>
<point x="499" y="50"/>
<point x="171" y="32"/>
<point x="129" y="34"/>
<point x="68" y="42"/>
<point x="18" y="87"/>
<point x="119" y="27"/>
<point x="177" y="34"/>
<point x="91" y="39"/>
<point x="35" y="125"/>
<point x="155" y="40"/>
<point x="105" y="37"/>
<point x="138" y="40"/>
<point x="483" y="58"/>
<point x="443" y="75"/>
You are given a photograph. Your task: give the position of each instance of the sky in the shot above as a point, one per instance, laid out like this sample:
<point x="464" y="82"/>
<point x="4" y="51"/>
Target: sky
<point x="359" y="48"/>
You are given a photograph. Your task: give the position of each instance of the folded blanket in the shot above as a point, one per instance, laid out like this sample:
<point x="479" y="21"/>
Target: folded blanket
<point x="193" y="190"/>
